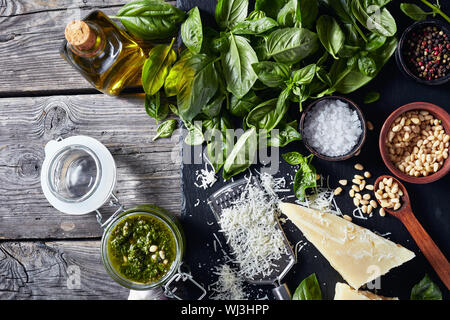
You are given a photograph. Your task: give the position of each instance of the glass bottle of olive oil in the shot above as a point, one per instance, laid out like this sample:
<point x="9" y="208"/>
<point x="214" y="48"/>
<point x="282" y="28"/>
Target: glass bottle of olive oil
<point x="103" y="53"/>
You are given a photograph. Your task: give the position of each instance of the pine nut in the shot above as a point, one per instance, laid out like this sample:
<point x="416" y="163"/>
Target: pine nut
<point x="337" y="191"/>
<point x="343" y="182"/>
<point x="382" y="212"/>
<point x="359" y="166"/>
<point x="348" y="218"/>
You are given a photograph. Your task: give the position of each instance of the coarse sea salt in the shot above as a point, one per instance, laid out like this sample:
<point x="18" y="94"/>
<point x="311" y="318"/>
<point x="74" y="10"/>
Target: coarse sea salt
<point x="332" y="128"/>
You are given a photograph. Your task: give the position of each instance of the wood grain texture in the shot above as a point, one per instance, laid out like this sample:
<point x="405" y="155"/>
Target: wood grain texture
<point x="55" y="270"/>
<point x="31" y="33"/>
<point x="148" y="171"/>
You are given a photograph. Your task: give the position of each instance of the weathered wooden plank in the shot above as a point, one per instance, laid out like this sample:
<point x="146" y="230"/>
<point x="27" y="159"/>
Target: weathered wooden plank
<point x="146" y="171"/>
<point x="31" y="33"/>
<point x="55" y="270"/>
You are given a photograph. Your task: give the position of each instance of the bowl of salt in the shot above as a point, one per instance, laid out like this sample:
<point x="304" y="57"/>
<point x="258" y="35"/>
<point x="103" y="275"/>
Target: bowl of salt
<point x="333" y="128"/>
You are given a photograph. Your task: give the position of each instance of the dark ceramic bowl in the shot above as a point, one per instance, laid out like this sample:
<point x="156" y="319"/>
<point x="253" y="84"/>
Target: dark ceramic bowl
<point x="401" y="61"/>
<point x="438" y="113"/>
<point x="355" y="149"/>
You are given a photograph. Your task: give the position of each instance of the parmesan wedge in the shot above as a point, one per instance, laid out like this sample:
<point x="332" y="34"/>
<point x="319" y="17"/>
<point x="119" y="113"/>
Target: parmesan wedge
<point x="345" y="292"/>
<point x="358" y="254"/>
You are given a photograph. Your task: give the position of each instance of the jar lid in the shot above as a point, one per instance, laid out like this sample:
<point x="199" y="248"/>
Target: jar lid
<point x="78" y="175"/>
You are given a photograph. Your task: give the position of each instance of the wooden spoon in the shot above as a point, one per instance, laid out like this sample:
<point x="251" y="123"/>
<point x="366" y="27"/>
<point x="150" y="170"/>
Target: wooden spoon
<point x="429" y="249"/>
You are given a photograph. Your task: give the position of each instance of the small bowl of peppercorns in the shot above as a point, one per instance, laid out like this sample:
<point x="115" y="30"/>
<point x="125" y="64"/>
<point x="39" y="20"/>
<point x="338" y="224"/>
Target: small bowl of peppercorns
<point x="423" y="52"/>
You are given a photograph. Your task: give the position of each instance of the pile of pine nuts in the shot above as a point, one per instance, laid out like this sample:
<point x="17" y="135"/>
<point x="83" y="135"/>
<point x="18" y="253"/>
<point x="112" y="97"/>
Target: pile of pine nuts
<point x="359" y="184"/>
<point x="389" y="193"/>
<point x="417" y="143"/>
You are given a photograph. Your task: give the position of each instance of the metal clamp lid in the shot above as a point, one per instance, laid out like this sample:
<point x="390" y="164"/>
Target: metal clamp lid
<point x="184" y="276"/>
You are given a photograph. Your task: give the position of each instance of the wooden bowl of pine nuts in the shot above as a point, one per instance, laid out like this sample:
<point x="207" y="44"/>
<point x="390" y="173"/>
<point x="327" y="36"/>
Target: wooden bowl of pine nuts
<point x="414" y="142"/>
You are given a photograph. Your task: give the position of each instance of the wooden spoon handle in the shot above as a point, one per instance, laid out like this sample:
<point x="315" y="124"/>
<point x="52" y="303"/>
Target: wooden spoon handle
<point x="429" y="249"/>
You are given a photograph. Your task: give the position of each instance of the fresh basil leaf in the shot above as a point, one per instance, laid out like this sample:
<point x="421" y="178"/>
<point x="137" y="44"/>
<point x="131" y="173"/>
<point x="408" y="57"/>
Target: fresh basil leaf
<point x="426" y="289"/>
<point x="155" y="109"/>
<point x="371" y="97"/>
<point x="213" y="108"/>
<point x="259" y="44"/>
<point x="293" y="158"/>
<point x="305" y="176"/>
<point x="171" y="82"/>
<point x="413" y="11"/>
<point x="348" y="51"/>
<point x="285" y="134"/>
<point x="157" y="66"/>
<point x="304" y="75"/>
<point x="254" y="27"/>
<point x="240" y="107"/>
<point x="231" y="12"/>
<point x="272" y="74"/>
<point x="374" y="17"/>
<point x="287" y="16"/>
<point x="242" y="155"/>
<point x="375" y="42"/>
<point x="219" y="141"/>
<point x="263" y="116"/>
<point x="291" y="45"/>
<point x="309" y="289"/>
<point x="197" y="85"/>
<point x="367" y="66"/>
<point x="307" y="13"/>
<point x="324" y="76"/>
<point x="330" y="34"/>
<point x="192" y="32"/>
<point x="194" y="136"/>
<point x="237" y="66"/>
<point x="174" y="109"/>
<point x="150" y="19"/>
<point x="256" y="15"/>
<point x="270" y="7"/>
<point x="300" y="14"/>
<point x="165" y="129"/>
<point x="342" y="9"/>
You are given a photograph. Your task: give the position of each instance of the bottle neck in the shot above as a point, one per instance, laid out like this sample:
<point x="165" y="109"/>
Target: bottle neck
<point x="93" y="46"/>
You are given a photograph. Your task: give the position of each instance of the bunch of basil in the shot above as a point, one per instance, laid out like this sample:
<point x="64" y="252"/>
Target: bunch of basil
<point x="254" y="65"/>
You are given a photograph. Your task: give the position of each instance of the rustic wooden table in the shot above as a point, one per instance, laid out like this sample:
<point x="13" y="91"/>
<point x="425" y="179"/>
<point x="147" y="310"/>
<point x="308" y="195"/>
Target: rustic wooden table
<point x="45" y="254"/>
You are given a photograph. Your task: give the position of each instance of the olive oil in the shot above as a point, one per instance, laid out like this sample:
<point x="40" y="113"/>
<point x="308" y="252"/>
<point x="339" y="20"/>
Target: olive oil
<point x="103" y="53"/>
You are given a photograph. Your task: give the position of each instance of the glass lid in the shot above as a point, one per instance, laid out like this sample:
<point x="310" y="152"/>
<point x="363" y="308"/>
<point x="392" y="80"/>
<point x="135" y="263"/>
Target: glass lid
<point x="78" y="174"/>
<point x="74" y="173"/>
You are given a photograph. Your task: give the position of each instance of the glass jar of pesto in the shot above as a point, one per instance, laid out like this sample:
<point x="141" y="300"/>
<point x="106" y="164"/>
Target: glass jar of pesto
<point x="142" y="248"/>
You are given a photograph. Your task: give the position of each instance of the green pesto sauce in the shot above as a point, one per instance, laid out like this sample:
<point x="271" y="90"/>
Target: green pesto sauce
<point x="130" y="253"/>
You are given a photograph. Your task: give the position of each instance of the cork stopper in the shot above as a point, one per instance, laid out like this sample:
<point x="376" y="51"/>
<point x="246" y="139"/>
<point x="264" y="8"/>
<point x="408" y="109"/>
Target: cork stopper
<point x="79" y="34"/>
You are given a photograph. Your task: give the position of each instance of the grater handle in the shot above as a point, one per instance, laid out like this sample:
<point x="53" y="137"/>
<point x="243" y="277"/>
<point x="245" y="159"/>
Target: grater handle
<point x="282" y="292"/>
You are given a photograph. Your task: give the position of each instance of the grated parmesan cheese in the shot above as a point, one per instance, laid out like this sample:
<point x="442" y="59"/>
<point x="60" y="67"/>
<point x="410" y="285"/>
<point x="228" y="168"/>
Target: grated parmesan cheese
<point x="250" y="228"/>
<point x="205" y="177"/>
<point x="229" y="286"/>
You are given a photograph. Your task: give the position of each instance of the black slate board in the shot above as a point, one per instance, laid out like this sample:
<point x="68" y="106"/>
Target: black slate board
<point x="431" y="202"/>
